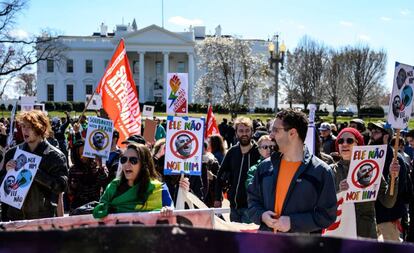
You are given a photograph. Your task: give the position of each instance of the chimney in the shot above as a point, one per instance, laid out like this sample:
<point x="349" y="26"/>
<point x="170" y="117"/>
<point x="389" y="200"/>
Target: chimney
<point x="199" y="31"/>
<point x="134" y="25"/>
<point x="218" y="31"/>
<point x="104" y="29"/>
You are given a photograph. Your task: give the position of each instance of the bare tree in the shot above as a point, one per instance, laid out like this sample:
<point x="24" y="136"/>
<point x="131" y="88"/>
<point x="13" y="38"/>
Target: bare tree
<point x="25" y="84"/>
<point x="232" y="71"/>
<point x="288" y="80"/>
<point x="334" y="78"/>
<point x="17" y="53"/>
<point x="364" y="72"/>
<point x="308" y="61"/>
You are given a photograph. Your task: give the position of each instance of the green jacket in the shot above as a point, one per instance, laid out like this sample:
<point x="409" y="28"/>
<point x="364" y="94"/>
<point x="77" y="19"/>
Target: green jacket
<point x="251" y="172"/>
<point x="157" y="192"/>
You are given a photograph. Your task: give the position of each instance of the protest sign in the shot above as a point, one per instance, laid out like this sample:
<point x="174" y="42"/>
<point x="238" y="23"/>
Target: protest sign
<point x="17" y="182"/>
<point x="177" y="93"/>
<point x="149" y="130"/>
<point x="98" y="137"/>
<point x="184" y="145"/>
<point x="345" y="224"/>
<point x="148" y="111"/>
<point x="365" y="171"/>
<point x="95" y="104"/>
<point x="400" y="105"/>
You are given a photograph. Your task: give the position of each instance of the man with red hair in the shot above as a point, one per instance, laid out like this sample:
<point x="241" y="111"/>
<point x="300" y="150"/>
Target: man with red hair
<point x="51" y="177"/>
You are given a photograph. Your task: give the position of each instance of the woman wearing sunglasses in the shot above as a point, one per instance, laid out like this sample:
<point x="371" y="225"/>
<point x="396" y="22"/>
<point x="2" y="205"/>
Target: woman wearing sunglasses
<point x="364" y="212"/>
<point x="137" y="189"/>
<point x="266" y="147"/>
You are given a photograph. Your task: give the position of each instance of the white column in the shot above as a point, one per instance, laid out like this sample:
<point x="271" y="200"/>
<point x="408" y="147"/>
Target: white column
<point x="141" y="77"/>
<point x="191" y="83"/>
<point x="166" y="69"/>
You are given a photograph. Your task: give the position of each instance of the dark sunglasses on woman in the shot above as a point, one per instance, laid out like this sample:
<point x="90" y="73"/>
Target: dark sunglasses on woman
<point x="265" y="147"/>
<point x="133" y="160"/>
<point x="348" y="141"/>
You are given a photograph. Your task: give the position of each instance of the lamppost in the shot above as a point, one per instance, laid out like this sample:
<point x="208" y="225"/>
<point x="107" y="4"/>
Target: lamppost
<point x="275" y="58"/>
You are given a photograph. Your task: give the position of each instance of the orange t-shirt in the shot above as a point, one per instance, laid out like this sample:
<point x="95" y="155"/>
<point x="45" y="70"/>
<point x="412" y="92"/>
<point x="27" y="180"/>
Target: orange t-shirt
<point x="286" y="172"/>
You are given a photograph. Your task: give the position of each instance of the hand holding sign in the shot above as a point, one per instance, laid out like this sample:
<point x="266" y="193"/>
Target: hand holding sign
<point x="10" y="165"/>
<point x="394" y="168"/>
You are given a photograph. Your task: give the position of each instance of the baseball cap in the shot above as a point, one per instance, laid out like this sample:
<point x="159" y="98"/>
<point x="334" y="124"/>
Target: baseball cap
<point x="325" y="126"/>
<point x="134" y="139"/>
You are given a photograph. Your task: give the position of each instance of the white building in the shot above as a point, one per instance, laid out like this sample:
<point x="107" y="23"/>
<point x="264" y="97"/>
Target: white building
<point x="152" y="52"/>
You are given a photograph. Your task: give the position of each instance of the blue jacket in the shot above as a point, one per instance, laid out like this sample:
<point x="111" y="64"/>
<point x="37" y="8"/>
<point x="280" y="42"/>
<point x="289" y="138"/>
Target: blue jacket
<point x="311" y="198"/>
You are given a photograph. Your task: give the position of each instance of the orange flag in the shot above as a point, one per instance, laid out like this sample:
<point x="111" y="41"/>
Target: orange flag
<point x="119" y="95"/>
<point x="212" y="127"/>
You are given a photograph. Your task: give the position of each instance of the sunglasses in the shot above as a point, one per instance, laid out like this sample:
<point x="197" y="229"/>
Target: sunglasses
<point x="133" y="160"/>
<point x="265" y="147"/>
<point x="348" y="141"/>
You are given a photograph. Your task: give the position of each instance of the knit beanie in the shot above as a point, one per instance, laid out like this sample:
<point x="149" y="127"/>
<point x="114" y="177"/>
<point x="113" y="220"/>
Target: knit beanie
<point x="358" y="136"/>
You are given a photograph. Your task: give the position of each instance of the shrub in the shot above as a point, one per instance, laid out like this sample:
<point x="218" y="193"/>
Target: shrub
<point x="67" y="106"/>
<point x="50" y="106"/>
<point x="374" y="111"/>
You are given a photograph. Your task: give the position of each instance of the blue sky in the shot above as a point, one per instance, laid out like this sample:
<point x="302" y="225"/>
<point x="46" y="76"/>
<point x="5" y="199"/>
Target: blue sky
<point x="382" y="24"/>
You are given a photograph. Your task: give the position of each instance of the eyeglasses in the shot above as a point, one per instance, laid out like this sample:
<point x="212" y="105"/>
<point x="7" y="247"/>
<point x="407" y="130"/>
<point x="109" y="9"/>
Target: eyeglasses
<point x="133" y="160"/>
<point x="348" y="141"/>
<point x="265" y="147"/>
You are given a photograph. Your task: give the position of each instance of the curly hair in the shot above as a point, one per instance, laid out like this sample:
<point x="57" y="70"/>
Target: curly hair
<point x="38" y="121"/>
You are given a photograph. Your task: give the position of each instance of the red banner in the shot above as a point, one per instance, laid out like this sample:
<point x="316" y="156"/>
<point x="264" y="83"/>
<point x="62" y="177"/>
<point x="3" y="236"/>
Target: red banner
<point x="119" y="95"/>
<point x="212" y="127"/>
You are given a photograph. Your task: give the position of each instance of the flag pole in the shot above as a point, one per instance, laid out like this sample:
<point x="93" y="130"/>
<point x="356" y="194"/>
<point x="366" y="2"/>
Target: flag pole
<point x="86" y="106"/>
<point x="396" y="145"/>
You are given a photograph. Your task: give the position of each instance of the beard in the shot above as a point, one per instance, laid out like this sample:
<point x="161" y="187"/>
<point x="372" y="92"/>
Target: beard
<point x="244" y="140"/>
<point x="376" y="142"/>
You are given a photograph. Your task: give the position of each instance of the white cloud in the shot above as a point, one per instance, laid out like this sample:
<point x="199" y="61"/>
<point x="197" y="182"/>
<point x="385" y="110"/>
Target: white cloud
<point x="386" y="19"/>
<point x="405" y="12"/>
<point x="364" y="37"/>
<point x="178" y="20"/>
<point x="346" y="23"/>
<point x="19" y="34"/>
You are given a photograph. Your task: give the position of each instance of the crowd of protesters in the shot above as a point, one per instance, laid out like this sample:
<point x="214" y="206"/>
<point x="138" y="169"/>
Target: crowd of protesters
<point x="263" y="169"/>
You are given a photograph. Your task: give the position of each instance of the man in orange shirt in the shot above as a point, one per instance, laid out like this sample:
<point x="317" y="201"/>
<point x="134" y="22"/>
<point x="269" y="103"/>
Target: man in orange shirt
<point x="293" y="190"/>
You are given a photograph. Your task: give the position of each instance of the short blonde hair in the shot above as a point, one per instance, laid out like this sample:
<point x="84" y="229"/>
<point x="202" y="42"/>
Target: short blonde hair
<point x="243" y="121"/>
<point x="263" y="138"/>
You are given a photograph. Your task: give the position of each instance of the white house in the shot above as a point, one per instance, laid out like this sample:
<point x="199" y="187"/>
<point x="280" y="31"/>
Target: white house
<point x="152" y="52"/>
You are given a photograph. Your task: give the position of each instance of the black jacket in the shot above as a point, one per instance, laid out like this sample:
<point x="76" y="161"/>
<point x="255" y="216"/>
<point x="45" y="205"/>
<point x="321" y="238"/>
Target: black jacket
<point x="398" y="210"/>
<point x="50" y="180"/>
<point x="310" y="201"/>
<point x="233" y="174"/>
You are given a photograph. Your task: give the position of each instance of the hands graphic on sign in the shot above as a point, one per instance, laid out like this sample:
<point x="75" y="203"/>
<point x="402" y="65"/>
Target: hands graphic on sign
<point x="175" y="84"/>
